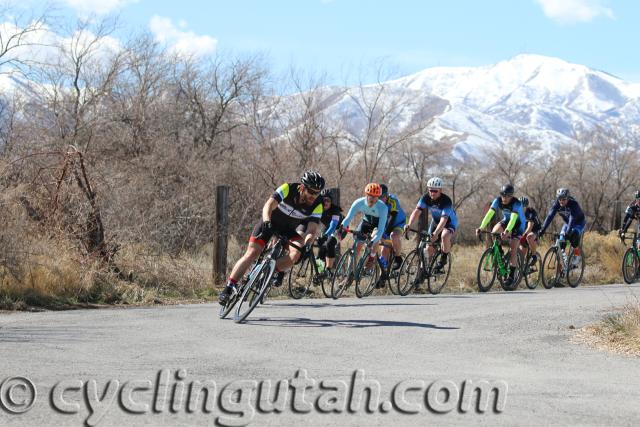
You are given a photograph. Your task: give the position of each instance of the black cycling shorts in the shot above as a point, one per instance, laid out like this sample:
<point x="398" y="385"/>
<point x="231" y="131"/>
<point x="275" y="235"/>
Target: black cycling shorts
<point x="261" y="238"/>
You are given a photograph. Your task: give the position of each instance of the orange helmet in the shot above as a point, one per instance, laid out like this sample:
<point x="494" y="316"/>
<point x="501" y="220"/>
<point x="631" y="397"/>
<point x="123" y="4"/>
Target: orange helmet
<point x="373" y="189"/>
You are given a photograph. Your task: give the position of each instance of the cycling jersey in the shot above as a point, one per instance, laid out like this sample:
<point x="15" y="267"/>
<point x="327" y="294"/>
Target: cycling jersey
<point x="571" y="214"/>
<point x="377" y="214"/>
<point x="531" y="215"/>
<point x="291" y="210"/>
<point x="442" y="206"/>
<point x="632" y="212"/>
<point x="513" y="219"/>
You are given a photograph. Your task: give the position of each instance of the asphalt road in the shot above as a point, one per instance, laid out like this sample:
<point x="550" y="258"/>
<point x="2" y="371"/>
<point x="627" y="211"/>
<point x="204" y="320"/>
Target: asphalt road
<point x="522" y="340"/>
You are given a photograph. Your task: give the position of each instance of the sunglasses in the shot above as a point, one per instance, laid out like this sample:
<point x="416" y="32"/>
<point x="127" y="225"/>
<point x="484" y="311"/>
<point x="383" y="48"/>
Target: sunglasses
<point x="311" y="192"/>
<point x="563" y="199"/>
<point x="433" y="190"/>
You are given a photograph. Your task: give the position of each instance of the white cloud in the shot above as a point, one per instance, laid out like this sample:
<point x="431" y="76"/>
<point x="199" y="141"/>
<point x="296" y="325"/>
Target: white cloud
<point x="181" y="42"/>
<point x="573" y="11"/>
<point x="97" y="7"/>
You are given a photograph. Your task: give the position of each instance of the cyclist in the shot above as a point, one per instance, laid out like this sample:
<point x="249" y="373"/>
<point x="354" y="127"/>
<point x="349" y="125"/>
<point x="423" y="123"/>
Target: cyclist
<point x="533" y="227"/>
<point x="396" y="220"/>
<point x="632" y="212"/>
<point x="512" y="225"/>
<point x="289" y="206"/>
<point x="443" y="218"/>
<point x="331" y="218"/>
<point x="571" y="212"/>
<point x="374" y="217"/>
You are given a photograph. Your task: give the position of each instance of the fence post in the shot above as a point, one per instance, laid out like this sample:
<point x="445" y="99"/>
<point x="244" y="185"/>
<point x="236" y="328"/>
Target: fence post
<point x="335" y="195"/>
<point x="221" y="234"/>
<point x="616" y="222"/>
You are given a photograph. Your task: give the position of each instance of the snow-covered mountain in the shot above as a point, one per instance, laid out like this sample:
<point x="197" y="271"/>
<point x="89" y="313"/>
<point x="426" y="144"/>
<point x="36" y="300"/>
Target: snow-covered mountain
<point x="541" y="99"/>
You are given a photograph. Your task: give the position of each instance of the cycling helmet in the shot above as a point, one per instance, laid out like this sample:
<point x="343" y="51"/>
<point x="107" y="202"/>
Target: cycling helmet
<point x="373" y="189"/>
<point x="326" y="194"/>
<point x="637" y="195"/>
<point x="312" y="180"/>
<point x="562" y="193"/>
<point x="385" y="190"/>
<point x="507" y="190"/>
<point x="435" y="182"/>
<point x="525" y="201"/>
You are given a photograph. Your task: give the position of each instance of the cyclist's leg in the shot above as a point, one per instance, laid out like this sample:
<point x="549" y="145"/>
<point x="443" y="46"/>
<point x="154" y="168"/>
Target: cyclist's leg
<point x="574" y="235"/>
<point x="564" y="231"/>
<point x="330" y="245"/>
<point x="257" y="242"/>
<point x="447" y="242"/>
<point x="430" y="248"/>
<point x="396" y="239"/>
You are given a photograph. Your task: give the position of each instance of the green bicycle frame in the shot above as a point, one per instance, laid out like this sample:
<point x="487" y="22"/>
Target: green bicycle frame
<point x="497" y="254"/>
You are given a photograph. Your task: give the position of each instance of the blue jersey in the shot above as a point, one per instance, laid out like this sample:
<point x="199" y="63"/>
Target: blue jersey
<point x="395" y="213"/>
<point x="378" y="210"/>
<point x="438" y="208"/>
<point x="514" y="206"/>
<point x="571" y="214"/>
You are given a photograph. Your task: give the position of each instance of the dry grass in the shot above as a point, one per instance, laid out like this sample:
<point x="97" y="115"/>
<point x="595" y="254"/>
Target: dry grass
<point x="619" y="333"/>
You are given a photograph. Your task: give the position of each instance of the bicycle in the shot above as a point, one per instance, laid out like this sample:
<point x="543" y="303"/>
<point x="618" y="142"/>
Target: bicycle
<point x="350" y="269"/>
<point x="494" y="262"/>
<point x="417" y="267"/>
<point x="631" y="260"/>
<point x="304" y="274"/>
<point x="532" y="272"/>
<point x="260" y="278"/>
<point x="557" y="265"/>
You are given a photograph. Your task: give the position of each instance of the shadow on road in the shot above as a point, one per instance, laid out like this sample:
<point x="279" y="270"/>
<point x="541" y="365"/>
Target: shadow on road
<point x="340" y="305"/>
<point x="324" y="323"/>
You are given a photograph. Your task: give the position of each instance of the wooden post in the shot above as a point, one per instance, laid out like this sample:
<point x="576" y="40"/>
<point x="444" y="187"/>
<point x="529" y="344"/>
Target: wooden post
<point x="335" y="195"/>
<point x="617" y="215"/>
<point x="422" y="222"/>
<point x="221" y="234"/>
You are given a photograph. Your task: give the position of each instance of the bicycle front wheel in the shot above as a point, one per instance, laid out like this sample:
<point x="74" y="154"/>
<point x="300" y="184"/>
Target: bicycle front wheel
<point x="300" y="277"/>
<point x="342" y="275"/>
<point x="254" y="291"/>
<point x="551" y="268"/>
<point x="437" y="279"/>
<point x="367" y="278"/>
<point x="576" y="269"/>
<point x="486" y="270"/>
<point x="409" y="270"/>
<point x="532" y="272"/>
<point x="630" y="266"/>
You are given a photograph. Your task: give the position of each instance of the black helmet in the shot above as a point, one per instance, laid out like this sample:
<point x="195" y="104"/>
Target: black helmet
<point x="385" y="190"/>
<point x="637" y="195"/>
<point x="525" y="201"/>
<point x="562" y="193"/>
<point x="312" y="180"/>
<point x="507" y="190"/>
<point x="326" y="194"/>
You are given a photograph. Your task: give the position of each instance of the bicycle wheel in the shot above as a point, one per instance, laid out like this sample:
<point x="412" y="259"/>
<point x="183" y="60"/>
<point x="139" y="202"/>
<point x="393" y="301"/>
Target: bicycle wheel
<point x="630" y="266"/>
<point x="486" y="270"/>
<point x="254" y="291"/>
<point x="437" y="279"/>
<point x="300" y="277"/>
<point x="532" y="272"/>
<point x="368" y="278"/>
<point x="407" y="278"/>
<point x="575" y="273"/>
<point x="517" y="275"/>
<point x="343" y="275"/>
<point x="551" y="268"/>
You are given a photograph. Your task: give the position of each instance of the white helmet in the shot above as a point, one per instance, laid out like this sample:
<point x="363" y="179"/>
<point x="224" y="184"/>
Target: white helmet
<point x="435" y="182"/>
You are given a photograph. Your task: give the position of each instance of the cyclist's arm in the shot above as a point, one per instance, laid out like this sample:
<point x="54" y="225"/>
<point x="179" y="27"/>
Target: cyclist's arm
<point x="529" y="227"/>
<point x="268" y="208"/>
<point x="414" y="215"/>
<point x="513" y="218"/>
<point x="549" y="218"/>
<point x="353" y="210"/>
<point x="382" y="220"/>
<point x="487" y="218"/>
<point x="628" y="217"/>
<point x="332" y="226"/>
<point x="441" y="224"/>
<point x="312" y="230"/>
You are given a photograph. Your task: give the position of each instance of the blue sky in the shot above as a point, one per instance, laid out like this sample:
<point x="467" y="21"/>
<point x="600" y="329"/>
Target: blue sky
<point x="334" y="36"/>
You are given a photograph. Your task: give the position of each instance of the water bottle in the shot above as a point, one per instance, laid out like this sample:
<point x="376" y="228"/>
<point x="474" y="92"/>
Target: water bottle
<point x="320" y="265"/>
<point x="383" y="262"/>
